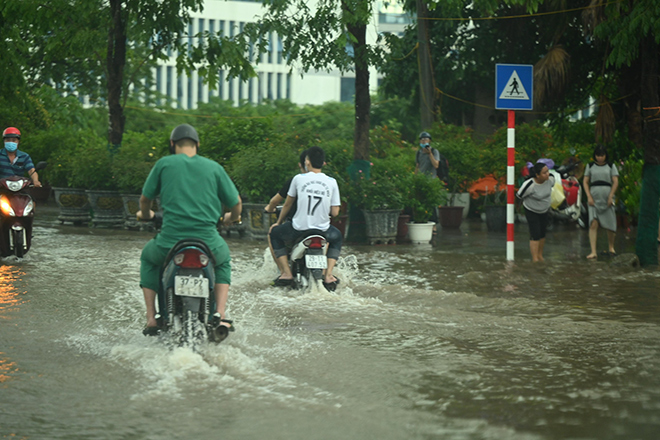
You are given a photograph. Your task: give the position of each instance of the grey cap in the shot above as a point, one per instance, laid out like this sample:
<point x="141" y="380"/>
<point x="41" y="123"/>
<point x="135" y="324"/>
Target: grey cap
<point x="425" y="134"/>
<point x="184" y="131"/>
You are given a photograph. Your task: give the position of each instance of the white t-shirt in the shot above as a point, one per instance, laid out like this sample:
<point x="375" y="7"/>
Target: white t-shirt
<point x="315" y="193"/>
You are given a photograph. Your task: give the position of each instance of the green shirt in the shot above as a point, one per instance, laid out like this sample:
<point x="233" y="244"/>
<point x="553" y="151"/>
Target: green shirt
<point x="192" y="192"/>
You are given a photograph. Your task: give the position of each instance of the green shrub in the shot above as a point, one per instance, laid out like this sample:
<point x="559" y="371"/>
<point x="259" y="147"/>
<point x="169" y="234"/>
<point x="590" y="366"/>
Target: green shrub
<point x="260" y="171"/>
<point x="376" y="193"/>
<point x="630" y="184"/>
<point x="86" y="162"/>
<point x="136" y="157"/>
<point x="423" y="194"/>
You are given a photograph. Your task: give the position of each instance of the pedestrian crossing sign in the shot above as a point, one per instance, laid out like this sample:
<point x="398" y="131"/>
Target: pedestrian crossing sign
<point x="514" y="86"/>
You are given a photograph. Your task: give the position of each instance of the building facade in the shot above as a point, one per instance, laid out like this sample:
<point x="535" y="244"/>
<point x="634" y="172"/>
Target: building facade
<point x="275" y="79"/>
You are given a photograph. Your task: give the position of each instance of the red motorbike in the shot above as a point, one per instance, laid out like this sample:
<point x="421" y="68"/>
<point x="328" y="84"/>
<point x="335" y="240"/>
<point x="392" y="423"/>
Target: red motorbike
<point x="16" y="215"/>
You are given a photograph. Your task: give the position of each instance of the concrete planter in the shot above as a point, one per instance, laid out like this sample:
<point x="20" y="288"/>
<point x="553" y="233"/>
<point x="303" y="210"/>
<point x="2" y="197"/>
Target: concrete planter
<point x="381" y="226"/>
<point x="74" y="206"/>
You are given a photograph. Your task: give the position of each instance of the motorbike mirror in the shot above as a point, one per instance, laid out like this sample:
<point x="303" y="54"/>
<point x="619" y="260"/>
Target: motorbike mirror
<point x="41" y="165"/>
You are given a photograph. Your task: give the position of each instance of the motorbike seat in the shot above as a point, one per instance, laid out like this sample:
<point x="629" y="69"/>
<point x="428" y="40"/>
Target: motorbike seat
<point x="189" y="242"/>
<point x="307" y="233"/>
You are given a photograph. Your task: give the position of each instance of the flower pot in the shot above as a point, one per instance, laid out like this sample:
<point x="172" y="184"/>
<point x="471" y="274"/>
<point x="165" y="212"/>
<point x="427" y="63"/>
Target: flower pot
<point x="420" y="233"/>
<point x="463" y="200"/>
<point x="450" y="217"/>
<point x="402" y="228"/>
<point x="73" y="204"/>
<point x="381" y="226"/>
<point x="107" y="208"/>
<point x="496" y="218"/>
<point x="339" y="222"/>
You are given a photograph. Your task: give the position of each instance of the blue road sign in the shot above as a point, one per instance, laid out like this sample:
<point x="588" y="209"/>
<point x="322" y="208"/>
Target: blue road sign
<point x="514" y="86"/>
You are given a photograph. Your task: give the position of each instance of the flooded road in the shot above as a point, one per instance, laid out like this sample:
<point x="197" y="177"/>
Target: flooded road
<point x="419" y="342"/>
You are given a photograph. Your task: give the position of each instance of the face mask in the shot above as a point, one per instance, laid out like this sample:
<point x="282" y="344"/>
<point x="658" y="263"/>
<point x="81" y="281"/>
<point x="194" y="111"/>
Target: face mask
<point x="423" y="145"/>
<point x="11" y="146"/>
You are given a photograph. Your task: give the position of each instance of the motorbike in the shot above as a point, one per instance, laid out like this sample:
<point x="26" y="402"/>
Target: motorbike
<point x="186" y="298"/>
<point x="16" y="214"/>
<point x="307" y="260"/>
<point x="572" y="207"/>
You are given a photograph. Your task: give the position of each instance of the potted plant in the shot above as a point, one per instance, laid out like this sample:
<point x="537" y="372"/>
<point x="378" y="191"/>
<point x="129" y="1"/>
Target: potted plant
<point x="495" y="211"/>
<point x="462" y="155"/>
<point x="423" y="195"/>
<point x="380" y="201"/>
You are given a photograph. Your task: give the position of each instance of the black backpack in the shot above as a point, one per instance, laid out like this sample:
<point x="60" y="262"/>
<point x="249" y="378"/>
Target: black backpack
<point x="443" y="166"/>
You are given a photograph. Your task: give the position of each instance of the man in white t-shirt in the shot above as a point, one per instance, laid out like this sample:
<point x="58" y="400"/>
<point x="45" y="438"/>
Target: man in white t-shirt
<point x="317" y="198"/>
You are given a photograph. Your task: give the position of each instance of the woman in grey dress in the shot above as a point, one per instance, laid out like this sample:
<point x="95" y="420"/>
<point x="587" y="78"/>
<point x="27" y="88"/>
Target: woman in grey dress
<point x="601" y="180"/>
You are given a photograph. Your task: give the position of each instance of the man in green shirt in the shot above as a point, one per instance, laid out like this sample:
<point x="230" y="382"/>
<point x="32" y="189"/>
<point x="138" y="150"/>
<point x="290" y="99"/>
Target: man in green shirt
<point x="193" y="191"/>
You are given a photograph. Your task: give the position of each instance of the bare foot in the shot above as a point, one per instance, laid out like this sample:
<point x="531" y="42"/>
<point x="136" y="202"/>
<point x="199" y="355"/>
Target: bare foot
<point x="591" y="256"/>
<point x="330" y="279"/>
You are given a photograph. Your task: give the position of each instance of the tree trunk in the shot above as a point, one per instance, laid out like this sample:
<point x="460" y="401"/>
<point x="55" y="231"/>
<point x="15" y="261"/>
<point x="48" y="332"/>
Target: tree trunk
<point x="646" y="245"/>
<point x="116" y="60"/>
<point x="426" y="87"/>
<point x="629" y="86"/>
<point x="362" y="97"/>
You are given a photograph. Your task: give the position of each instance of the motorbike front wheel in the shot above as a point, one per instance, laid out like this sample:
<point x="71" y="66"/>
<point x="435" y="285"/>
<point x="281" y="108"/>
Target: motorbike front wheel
<point x="17" y="238"/>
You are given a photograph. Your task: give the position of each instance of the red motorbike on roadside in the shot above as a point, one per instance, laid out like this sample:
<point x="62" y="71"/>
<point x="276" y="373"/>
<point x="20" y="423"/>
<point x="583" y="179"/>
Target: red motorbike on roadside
<point x="16" y="215"/>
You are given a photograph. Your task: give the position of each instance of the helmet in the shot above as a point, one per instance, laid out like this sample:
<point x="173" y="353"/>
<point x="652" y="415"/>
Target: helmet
<point x="11" y="132"/>
<point x="425" y="134"/>
<point x="184" y="131"/>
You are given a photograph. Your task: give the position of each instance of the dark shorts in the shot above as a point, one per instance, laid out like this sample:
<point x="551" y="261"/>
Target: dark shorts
<point x="537" y="224"/>
<point x="284" y="235"/>
<point x="153" y="256"/>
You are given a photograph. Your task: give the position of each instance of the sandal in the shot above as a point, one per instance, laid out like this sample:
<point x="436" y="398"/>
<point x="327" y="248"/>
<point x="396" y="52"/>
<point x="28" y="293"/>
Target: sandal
<point x="279" y="282"/>
<point x="215" y="322"/>
<point x="331" y="287"/>
<point x="151" y="331"/>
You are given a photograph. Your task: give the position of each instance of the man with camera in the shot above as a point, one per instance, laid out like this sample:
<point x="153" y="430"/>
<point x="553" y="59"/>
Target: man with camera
<point x="428" y="158"/>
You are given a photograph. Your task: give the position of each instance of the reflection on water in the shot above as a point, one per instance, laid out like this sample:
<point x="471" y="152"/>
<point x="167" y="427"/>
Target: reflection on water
<point x="418" y="342"/>
<point x="7" y="368"/>
<point x="10" y="295"/>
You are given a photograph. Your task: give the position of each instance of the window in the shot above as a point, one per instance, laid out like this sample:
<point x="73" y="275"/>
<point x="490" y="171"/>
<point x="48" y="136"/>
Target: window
<point x="189" y="94"/>
<point x="279" y="86"/>
<point x="269" y="86"/>
<point x="179" y="92"/>
<point x="168" y="84"/>
<point x="230" y="90"/>
<point x="159" y="83"/>
<point x="288" y="87"/>
<point x="221" y="82"/>
<point x="347" y="89"/>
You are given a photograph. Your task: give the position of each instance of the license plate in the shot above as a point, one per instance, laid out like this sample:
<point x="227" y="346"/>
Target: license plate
<point x="191" y="286"/>
<point x="316" y="261"/>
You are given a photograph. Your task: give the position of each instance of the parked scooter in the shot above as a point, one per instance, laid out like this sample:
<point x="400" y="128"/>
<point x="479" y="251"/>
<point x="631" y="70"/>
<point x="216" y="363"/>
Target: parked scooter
<point x="572" y="208"/>
<point x="16" y="214"/>
<point x="186" y="298"/>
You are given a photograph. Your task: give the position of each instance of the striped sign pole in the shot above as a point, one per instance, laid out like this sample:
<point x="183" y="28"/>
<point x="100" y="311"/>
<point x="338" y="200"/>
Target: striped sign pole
<point x="510" y="190"/>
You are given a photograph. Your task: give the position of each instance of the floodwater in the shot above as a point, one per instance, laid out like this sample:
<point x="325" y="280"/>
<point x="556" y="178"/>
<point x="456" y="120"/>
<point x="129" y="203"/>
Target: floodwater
<point x="419" y="342"/>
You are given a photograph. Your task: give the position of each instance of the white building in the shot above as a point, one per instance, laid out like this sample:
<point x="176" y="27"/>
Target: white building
<point x="276" y="80"/>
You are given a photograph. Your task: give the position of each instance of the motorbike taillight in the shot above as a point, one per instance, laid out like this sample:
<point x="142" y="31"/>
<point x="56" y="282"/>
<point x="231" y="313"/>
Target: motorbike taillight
<point x="191" y="259"/>
<point x="314" y="242"/>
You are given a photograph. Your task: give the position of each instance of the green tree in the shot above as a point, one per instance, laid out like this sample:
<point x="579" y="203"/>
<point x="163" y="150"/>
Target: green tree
<point x="466" y="39"/>
<point x="103" y="48"/>
<point x="631" y="30"/>
<point x="331" y="34"/>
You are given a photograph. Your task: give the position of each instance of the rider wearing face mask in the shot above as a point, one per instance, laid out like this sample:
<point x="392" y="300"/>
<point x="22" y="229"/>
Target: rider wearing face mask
<point x="14" y="162"/>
